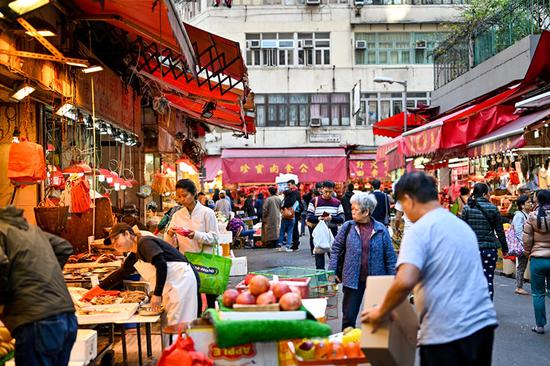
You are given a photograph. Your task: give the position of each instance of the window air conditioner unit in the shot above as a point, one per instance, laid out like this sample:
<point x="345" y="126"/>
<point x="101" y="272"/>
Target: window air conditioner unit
<point x="313" y="2"/>
<point x="359" y="2"/>
<point x="315" y="122"/>
<point x="307" y="43"/>
<point x="360" y="45"/>
<point x="255" y="43"/>
<point x="420" y="45"/>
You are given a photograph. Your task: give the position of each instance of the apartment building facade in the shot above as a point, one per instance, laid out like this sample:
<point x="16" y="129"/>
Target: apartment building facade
<point x="312" y="63"/>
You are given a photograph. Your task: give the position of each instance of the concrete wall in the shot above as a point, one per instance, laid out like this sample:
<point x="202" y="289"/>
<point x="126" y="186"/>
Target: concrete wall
<point x="506" y="66"/>
<point x="340" y="76"/>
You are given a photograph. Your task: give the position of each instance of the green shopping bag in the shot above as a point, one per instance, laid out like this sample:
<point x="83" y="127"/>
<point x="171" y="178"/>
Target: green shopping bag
<point x="213" y="270"/>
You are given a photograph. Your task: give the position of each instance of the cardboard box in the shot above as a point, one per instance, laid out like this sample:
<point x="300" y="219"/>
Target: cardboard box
<point x="394" y="343"/>
<point x="246" y="354"/>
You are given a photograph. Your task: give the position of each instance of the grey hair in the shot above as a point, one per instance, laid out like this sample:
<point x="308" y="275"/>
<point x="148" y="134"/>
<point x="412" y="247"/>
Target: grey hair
<point x="366" y="201"/>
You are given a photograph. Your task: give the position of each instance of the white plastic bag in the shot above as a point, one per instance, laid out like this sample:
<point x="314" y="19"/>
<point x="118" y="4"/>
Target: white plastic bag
<point x="322" y="238"/>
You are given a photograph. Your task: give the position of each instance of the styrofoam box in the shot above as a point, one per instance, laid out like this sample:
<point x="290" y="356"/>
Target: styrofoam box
<point x="239" y="266"/>
<point x="85" y="347"/>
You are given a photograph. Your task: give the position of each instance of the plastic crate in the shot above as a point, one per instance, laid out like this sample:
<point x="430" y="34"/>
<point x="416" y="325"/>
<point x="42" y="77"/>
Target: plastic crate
<point x="318" y="277"/>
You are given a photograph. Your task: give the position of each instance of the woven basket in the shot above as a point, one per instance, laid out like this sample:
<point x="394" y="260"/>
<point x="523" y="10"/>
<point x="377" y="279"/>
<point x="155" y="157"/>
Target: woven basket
<point x="51" y="219"/>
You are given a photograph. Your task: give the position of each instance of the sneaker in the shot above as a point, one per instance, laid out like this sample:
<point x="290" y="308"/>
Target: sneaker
<point x="295" y="249"/>
<point x="281" y="249"/>
<point x="520" y="291"/>
<point x="288" y="249"/>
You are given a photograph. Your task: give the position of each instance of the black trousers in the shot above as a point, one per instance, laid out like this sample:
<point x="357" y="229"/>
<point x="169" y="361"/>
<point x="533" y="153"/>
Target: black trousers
<point x="474" y="350"/>
<point x="352" y="304"/>
<point x="295" y="233"/>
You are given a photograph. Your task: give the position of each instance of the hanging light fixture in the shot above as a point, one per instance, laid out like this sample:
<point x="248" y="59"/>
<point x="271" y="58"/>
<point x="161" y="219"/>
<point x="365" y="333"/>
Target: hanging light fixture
<point x="24" y="6"/>
<point x="91" y="69"/>
<point x="23" y="92"/>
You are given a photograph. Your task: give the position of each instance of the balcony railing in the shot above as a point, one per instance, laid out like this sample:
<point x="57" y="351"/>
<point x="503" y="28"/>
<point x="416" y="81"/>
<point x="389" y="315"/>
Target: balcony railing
<point x="477" y="42"/>
<point x="345" y="2"/>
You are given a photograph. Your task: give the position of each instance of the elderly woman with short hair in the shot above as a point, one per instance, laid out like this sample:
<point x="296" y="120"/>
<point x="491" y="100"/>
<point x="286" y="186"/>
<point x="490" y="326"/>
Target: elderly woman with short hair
<point x="363" y="247"/>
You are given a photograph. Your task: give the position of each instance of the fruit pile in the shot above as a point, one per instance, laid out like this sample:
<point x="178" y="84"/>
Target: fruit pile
<point x="331" y="349"/>
<point x="263" y="292"/>
<point x="7" y="344"/>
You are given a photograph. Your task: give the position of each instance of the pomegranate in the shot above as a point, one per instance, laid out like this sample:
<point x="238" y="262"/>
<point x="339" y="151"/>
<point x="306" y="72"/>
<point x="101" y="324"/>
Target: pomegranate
<point x="258" y="285"/>
<point x="280" y="288"/>
<point x="248" y="278"/>
<point x="296" y="290"/>
<point x="246" y="298"/>
<point x="230" y="297"/>
<point x="290" y="301"/>
<point x="266" y="298"/>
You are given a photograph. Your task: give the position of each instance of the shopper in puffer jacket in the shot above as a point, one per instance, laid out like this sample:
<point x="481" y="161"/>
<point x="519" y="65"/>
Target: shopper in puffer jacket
<point x="536" y="243"/>
<point x="485" y="220"/>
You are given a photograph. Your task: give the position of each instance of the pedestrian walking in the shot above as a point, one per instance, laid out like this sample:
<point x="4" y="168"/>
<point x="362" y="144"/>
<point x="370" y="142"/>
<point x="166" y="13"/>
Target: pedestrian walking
<point x="258" y="205"/>
<point x="536" y="241"/>
<point x="328" y="209"/>
<point x="38" y="309"/>
<point x="461" y="201"/>
<point x="525" y="206"/>
<point x="382" y="211"/>
<point x="362" y="248"/>
<point x="439" y="260"/>
<point x="288" y="214"/>
<point x="346" y="204"/>
<point x="485" y="220"/>
<point x="298" y="217"/>
<point x="223" y="205"/>
<point x="271" y="218"/>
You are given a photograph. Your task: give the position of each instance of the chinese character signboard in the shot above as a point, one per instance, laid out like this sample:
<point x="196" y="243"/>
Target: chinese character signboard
<point x="266" y="169"/>
<point x="367" y="169"/>
<point x="422" y="142"/>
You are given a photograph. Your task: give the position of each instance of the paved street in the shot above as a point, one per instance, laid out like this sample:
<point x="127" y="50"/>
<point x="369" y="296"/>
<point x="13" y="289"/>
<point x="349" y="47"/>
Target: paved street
<point x="515" y="344"/>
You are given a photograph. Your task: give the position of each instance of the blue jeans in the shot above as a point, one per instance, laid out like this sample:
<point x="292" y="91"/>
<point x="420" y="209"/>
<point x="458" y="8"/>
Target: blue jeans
<point x="286" y="228"/>
<point x="540" y="275"/>
<point x="46" y="342"/>
<point x="249" y="233"/>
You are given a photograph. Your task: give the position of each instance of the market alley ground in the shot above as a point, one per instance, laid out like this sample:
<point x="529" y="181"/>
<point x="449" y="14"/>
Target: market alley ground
<point x="515" y="344"/>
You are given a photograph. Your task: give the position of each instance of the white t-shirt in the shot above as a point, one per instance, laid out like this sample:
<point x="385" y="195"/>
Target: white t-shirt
<point x="452" y="298"/>
<point x="408" y="223"/>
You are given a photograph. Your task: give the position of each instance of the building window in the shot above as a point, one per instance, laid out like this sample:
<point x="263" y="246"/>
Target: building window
<point x="287" y="49"/>
<point x="378" y="106"/>
<point x="394" y="48"/>
<point x="296" y="110"/>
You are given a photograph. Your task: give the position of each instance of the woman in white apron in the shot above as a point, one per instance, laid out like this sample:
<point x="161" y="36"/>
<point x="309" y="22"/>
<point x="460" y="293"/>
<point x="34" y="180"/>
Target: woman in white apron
<point x="175" y="280"/>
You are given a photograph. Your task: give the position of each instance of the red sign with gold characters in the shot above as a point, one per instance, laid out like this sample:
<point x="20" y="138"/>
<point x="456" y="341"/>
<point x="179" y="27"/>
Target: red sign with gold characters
<point x="232" y="353"/>
<point x="367" y="169"/>
<point x="423" y="142"/>
<point x="266" y="169"/>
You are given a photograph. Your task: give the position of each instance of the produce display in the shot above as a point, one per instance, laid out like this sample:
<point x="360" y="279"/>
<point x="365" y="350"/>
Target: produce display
<point x="7" y="344"/>
<point x="337" y="347"/>
<point x="263" y="292"/>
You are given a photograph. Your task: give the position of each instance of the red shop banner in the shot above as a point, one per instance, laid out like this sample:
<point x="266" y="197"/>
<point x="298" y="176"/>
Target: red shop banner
<point x="266" y="169"/>
<point x="423" y="142"/>
<point x="367" y="169"/>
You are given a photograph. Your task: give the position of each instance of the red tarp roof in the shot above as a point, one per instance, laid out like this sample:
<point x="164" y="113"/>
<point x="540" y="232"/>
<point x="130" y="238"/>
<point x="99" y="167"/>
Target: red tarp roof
<point x="393" y="126"/>
<point x="220" y="56"/>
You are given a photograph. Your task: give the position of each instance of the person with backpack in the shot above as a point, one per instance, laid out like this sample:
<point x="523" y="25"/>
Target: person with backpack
<point x="536" y="240"/>
<point x="383" y="201"/>
<point x="362" y="248"/>
<point x="485" y="220"/>
<point x="525" y="206"/>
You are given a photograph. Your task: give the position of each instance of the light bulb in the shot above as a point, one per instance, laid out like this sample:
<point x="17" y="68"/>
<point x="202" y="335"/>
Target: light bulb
<point x="117" y="186"/>
<point x="101" y="178"/>
<point x="123" y="186"/>
<point x="109" y="180"/>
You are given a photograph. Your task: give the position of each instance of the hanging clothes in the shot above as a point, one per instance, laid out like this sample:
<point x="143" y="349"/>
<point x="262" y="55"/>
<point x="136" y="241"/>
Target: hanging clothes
<point x="80" y="196"/>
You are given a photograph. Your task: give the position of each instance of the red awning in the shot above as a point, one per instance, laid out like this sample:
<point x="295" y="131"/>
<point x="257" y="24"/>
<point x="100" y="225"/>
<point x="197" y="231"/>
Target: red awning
<point x="212" y="165"/>
<point x="393" y="126"/>
<point x="539" y="69"/>
<point x="384" y="148"/>
<point x="508" y="137"/>
<point x="220" y="66"/>
<point x="264" y="165"/>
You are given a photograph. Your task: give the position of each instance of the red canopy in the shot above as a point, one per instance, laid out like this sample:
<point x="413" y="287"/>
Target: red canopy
<point x="393" y="126"/>
<point x="365" y="166"/>
<point x="264" y="165"/>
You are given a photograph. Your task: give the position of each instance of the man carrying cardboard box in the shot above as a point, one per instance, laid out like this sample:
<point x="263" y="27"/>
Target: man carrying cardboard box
<point x="439" y="259"/>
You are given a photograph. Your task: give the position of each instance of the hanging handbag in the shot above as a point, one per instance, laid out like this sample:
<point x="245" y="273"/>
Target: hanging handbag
<point x="213" y="270"/>
<point x="515" y="246"/>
